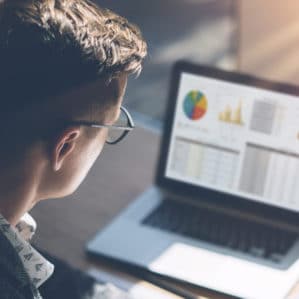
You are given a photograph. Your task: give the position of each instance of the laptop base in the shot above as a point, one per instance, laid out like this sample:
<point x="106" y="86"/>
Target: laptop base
<point x="127" y="240"/>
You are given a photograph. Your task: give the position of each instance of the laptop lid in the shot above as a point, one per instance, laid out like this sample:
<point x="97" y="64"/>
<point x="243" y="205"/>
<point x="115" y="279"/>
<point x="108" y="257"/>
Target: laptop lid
<point x="232" y="140"/>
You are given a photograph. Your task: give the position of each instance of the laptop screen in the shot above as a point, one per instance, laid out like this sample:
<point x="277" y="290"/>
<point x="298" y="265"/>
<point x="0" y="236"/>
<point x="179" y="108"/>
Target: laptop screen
<point x="236" y="139"/>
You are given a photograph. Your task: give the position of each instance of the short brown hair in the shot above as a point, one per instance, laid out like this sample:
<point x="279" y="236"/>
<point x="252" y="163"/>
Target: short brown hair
<point x="47" y="46"/>
<point x="50" y="46"/>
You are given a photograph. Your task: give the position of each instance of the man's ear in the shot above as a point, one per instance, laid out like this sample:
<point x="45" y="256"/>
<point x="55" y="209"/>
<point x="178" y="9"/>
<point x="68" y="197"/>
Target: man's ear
<point x="64" y="145"/>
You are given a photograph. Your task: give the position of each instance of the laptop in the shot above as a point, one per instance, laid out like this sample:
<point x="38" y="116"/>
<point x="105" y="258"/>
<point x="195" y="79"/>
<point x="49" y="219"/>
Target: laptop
<point x="223" y="212"/>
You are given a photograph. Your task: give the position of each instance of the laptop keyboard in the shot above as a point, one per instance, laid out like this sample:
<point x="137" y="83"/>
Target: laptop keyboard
<point x="259" y="240"/>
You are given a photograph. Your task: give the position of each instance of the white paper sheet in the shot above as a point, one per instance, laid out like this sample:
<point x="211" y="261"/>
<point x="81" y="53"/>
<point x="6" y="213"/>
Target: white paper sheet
<point x="138" y="290"/>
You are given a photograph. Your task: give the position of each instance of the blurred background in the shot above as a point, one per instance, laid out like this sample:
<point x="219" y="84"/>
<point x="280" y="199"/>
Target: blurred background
<point x="257" y="37"/>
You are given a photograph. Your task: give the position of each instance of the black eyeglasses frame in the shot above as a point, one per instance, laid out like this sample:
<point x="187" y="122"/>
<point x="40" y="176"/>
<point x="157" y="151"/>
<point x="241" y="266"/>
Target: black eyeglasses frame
<point x="126" y="129"/>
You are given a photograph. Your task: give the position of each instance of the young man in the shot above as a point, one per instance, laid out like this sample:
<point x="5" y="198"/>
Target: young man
<point x="63" y="74"/>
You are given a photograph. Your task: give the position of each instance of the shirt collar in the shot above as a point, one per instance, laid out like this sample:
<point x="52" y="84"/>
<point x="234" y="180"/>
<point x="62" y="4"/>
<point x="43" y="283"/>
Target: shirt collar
<point x="26" y="227"/>
<point x="37" y="267"/>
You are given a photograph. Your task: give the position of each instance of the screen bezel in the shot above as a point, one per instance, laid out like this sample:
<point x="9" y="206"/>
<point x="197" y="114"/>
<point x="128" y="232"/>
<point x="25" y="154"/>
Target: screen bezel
<point x="203" y="194"/>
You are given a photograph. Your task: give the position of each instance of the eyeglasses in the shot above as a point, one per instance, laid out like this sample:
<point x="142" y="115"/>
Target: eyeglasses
<point x="118" y="130"/>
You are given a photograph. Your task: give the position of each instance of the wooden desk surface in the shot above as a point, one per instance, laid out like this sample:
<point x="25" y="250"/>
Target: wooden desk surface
<point x="120" y="174"/>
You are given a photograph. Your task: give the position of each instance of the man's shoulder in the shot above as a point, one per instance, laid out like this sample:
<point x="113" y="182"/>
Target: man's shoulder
<point x="10" y="288"/>
<point x="14" y="282"/>
<point x="10" y="261"/>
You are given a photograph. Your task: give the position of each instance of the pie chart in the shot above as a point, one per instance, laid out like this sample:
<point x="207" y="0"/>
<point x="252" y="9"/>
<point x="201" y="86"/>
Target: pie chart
<point x="195" y="105"/>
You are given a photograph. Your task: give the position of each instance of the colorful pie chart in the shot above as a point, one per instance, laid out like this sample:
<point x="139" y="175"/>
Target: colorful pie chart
<point x="195" y="105"/>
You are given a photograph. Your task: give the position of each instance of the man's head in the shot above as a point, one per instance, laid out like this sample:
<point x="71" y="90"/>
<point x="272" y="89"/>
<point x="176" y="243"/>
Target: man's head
<point x="60" y="61"/>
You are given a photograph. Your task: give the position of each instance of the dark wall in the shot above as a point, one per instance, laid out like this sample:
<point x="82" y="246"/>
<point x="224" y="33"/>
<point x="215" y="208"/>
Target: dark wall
<point x="199" y="30"/>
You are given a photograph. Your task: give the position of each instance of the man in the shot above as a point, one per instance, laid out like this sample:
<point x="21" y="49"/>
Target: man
<point x="63" y="73"/>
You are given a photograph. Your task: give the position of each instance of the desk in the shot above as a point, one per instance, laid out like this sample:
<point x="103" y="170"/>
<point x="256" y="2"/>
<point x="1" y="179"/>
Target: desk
<point x="120" y="174"/>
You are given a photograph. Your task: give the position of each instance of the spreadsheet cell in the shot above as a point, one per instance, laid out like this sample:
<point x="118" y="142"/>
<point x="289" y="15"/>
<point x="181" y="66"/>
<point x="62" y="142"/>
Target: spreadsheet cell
<point x="204" y="162"/>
